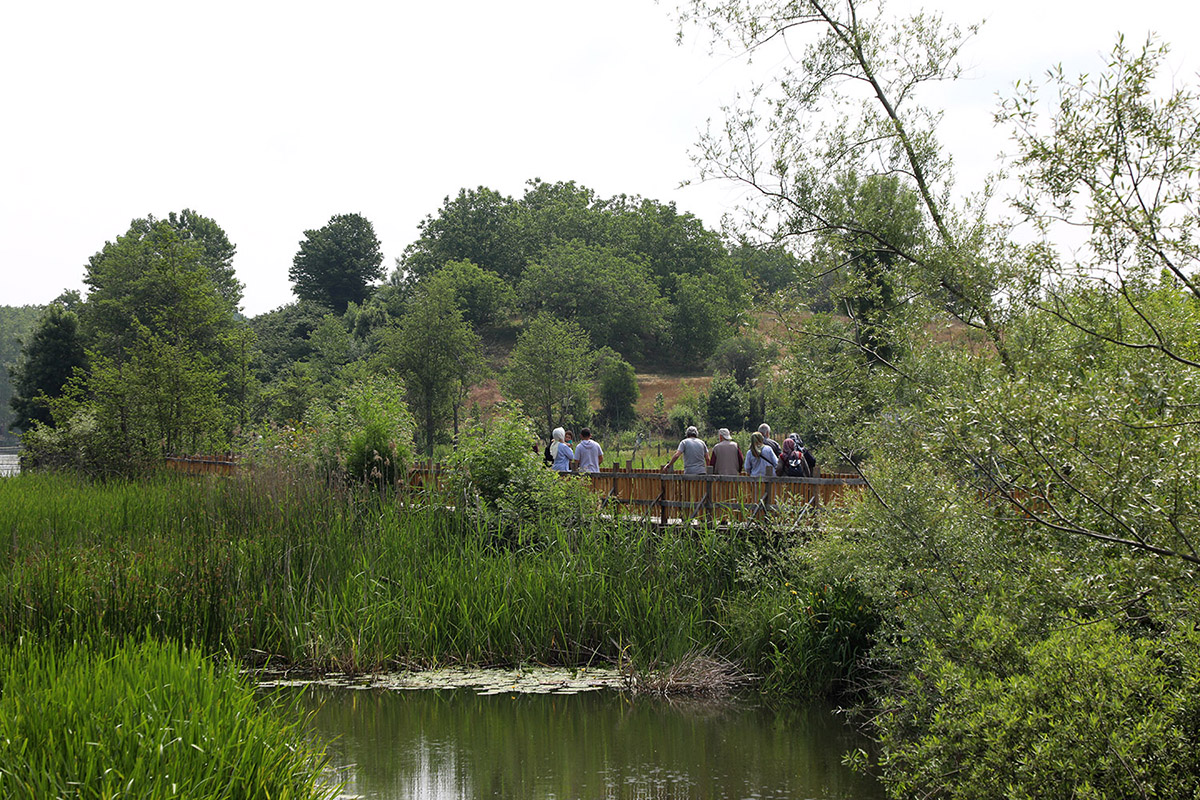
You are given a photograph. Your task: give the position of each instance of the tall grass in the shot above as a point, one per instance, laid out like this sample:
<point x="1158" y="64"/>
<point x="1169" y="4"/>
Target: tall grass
<point x="278" y="565"/>
<point x="149" y="720"/>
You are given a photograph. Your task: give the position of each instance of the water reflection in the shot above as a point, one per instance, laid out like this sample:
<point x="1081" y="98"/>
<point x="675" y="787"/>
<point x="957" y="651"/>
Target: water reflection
<point x="455" y="744"/>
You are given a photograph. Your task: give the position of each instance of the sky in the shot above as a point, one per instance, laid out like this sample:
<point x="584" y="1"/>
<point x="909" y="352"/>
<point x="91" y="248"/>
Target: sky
<point x="272" y="117"/>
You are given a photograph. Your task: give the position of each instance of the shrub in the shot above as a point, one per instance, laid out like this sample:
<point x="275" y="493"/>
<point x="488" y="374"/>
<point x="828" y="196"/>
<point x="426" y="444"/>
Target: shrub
<point x="497" y="468"/>
<point x="367" y="434"/>
<point x="1091" y="713"/>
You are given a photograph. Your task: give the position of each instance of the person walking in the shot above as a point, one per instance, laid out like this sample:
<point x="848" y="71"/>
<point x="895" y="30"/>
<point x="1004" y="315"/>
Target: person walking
<point x="589" y="452"/>
<point x="726" y="458"/>
<point x="694" y="452"/>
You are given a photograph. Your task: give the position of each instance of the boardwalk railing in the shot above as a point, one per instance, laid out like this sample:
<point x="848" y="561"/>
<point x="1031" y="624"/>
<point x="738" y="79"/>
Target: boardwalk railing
<point x="646" y="493"/>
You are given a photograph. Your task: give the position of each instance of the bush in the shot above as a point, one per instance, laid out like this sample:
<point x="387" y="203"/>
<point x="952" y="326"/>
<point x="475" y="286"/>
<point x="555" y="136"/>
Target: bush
<point x="498" y="468"/>
<point x="1091" y="713"/>
<point x="367" y="434"/>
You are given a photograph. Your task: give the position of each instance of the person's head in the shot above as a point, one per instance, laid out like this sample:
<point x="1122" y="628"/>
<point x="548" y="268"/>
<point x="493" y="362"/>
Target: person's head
<point x="692" y="432"/>
<point x="765" y="430"/>
<point x="756" y="443"/>
<point x="723" y="435"/>
<point x="559" y="435"/>
<point x="585" y="433"/>
<point x="795" y="437"/>
<point x="570" y="434"/>
<point x="789" y="446"/>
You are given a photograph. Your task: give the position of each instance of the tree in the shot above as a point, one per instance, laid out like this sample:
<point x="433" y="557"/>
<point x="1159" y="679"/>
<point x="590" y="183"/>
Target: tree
<point x="726" y="406"/>
<point x="486" y="300"/>
<point x="611" y="297"/>
<point x="549" y="369"/>
<point x="16" y="322"/>
<point x="48" y="359"/>
<point x="437" y="354"/>
<point x="156" y="277"/>
<point x="336" y="263"/>
<point x="480" y="226"/>
<point x="619" y="391"/>
<point x="848" y="107"/>
<point x="1114" y="159"/>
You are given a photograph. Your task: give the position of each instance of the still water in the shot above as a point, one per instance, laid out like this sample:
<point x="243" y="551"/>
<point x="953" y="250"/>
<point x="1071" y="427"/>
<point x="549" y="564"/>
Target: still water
<point x="437" y="744"/>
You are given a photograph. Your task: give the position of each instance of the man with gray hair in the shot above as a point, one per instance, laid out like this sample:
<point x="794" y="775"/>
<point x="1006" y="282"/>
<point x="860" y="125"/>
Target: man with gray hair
<point x="726" y="458"/>
<point x="765" y="430"/>
<point x="694" y="452"/>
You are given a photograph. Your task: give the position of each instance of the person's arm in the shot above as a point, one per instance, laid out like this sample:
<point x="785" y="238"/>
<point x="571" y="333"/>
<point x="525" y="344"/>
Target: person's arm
<point x="667" y="465"/>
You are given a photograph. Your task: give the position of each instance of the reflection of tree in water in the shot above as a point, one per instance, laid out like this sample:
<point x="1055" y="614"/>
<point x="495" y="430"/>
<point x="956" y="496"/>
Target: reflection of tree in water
<point x="452" y="744"/>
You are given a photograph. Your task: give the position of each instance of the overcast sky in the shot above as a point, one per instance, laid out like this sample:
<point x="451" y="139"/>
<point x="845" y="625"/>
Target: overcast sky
<point x="271" y="117"/>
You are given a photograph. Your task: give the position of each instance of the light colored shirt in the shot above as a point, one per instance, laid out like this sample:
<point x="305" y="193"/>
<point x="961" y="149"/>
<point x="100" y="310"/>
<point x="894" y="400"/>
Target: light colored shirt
<point x="761" y="467"/>
<point x="695" y="456"/>
<point x="589" y="453"/>
<point x="562" y="458"/>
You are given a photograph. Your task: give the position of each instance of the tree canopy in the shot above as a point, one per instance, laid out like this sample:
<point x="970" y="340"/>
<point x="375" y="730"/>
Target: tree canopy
<point x="337" y="263"/>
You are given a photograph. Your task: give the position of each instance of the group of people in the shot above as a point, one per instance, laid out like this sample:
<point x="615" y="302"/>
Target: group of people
<point x="765" y="456"/>
<point x="559" y="454"/>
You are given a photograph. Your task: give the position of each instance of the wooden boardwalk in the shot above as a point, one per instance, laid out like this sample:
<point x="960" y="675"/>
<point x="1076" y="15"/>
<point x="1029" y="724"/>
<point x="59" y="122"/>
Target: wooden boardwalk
<point x="652" y="494"/>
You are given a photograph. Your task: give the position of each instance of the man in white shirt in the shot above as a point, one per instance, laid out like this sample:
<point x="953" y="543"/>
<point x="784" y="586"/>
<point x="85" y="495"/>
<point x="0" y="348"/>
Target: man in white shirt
<point x="589" y="452"/>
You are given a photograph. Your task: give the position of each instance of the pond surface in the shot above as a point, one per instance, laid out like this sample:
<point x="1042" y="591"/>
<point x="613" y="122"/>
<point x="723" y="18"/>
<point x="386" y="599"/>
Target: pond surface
<point x="455" y="743"/>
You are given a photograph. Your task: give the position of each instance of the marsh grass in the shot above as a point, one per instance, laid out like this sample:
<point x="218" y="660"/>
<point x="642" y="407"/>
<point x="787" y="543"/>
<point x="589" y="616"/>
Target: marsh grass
<point x="282" y="567"/>
<point x="145" y="720"/>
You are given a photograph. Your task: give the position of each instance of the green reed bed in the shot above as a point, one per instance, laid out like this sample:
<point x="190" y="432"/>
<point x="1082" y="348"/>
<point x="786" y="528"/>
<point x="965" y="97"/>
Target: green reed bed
<point x="144" y="720"/>
<point x="281" y="566"/>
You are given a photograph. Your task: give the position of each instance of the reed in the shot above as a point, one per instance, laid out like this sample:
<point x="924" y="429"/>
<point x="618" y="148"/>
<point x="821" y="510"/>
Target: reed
<point x="285" y="567"/>
<point x="150" y="720"/>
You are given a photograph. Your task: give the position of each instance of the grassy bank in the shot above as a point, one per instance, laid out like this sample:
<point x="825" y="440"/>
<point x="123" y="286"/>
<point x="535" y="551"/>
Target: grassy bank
<point x="148" y="720"/>
<point x="327" y="578"/>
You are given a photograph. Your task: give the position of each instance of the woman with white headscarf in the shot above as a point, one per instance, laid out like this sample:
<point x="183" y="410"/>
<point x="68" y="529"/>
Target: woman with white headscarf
<point x="560" y="451"/>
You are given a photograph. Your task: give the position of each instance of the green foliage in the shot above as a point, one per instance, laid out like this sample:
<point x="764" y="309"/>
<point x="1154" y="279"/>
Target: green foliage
<point x="806" y="638"/>
<point x="703" y="312"/>
<point x="480" y="226"/>
<point x="147" y="720"/>
<point x="1088" y="712"/>
<point x="52" y="353"/>
<point x="610" y="296"/>
<point x="336" y="263"/>
<point x="326" y="575"/>
<point x="437" y="354"/>
<point x="726" y="406"/>
<point x="366" y="435"/>
<point x="619" y="391"/>
<point x="742" y="357"/>
<point x="16" y="322"/>
<point x="497" y="467"/>
<point x="549" y="370"/>
<point x="485" y="299"/>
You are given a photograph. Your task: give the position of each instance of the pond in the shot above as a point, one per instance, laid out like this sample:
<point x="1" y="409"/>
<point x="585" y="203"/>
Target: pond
<point x="457" y="743"/>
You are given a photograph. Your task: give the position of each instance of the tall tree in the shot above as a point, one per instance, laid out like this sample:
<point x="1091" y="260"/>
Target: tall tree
<point x="437" y="354"/>
<point x="49" y="357"/>
<point x="849" y="104"/>
<point x="550" y="368"/>
<point x="336" y="263"/>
